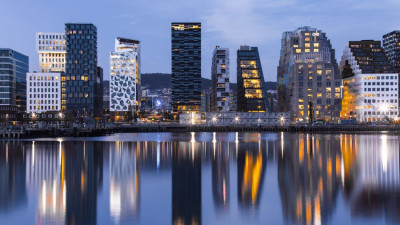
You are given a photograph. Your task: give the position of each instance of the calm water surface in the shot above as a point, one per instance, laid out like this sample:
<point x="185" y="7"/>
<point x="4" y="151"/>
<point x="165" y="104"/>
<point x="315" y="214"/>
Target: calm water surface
<point x="202" y="178"/>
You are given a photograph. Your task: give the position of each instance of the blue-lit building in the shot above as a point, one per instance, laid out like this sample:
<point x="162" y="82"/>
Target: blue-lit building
<point x="186" y="67"/>
<point x="82" y="82"/>
<point x="251" y="93"/>
<point x="13" y="69"/>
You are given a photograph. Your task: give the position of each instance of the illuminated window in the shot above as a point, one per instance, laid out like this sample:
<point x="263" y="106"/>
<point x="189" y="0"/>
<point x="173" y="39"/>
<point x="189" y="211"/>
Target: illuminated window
<point x="307" y="45"/>
<point x="337" y="95"/>
<point x="310" y="77"/>
<point x="328" y="72"/>
<point x="307" y="50"/>
<point x="301" y="106"/>
<point x="252" y="83"/>
<point x="337" y="89"/>
<point x="307" y="39"/>
<point x="298" y="50"/>
<point x="319" y="72"/>
<point x="328" y="89"/>
<point x="316" y="45"/>
<point x="306" y="34"/>
<point x="253" y="93"/>
<point x="295" y="46"/>
<point x="301" y="100"/>
<point x="250" y="73"/>
<point x="316" y="50"/>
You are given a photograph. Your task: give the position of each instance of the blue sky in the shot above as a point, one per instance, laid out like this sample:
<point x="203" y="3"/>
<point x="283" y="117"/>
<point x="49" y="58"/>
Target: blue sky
<point x="227" y="23"/>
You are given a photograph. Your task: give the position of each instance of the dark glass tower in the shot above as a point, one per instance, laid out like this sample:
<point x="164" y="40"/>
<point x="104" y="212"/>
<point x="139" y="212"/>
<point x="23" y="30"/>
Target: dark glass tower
<point x="13" y="69"/>
<point x="250" y="81"/>
<point x="391" y="45"/>
<point x="186" y="67"/>
<point x="82" y="77"/>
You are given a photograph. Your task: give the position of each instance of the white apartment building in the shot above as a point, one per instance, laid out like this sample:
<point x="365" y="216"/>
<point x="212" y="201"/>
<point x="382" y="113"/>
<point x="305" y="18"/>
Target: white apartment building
<point x="51" y="50"/>
<point x="125" y="75"/>
<point x="220" y="80"/>
<point x="43" y="92"/>
<point x="370" y="88"/>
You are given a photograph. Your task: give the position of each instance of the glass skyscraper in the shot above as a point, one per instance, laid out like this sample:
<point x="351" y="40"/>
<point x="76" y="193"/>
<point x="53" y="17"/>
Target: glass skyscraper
<point x="13" y="69"/>
<point x="186" y="67"/>
<point x="82" y="79"/>
<point x="250" y="81"/>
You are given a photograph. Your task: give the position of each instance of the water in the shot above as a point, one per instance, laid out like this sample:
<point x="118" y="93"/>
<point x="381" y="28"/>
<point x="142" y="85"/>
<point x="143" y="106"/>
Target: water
<point x="202" y="178"/>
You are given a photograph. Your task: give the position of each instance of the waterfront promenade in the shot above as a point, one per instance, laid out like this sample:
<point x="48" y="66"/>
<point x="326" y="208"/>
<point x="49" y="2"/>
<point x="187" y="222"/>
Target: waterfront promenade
<point x="143" y="128"/>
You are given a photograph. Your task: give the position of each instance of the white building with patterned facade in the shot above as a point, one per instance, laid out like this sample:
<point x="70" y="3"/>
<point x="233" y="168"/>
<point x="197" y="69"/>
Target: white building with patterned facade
<point x="125" y="76"/>
<point x="51" y="50"/>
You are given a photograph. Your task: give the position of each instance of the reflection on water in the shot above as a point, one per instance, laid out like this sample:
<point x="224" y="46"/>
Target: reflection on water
<point x="287" y="178"/>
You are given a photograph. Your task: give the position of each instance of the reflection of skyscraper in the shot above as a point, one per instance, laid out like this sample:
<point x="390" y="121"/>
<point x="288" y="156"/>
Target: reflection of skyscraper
<point x="251" y="163"/>
<point x="12" y="176"/>
<point x="308" y="177"/>
<point x="186" y="183"/>
<point x="374" y="190"/>
<point x="81" y="166"/>
<point x="44" y="165"/>
<point x="124" y="181"/>
<point x="220" y="174"/>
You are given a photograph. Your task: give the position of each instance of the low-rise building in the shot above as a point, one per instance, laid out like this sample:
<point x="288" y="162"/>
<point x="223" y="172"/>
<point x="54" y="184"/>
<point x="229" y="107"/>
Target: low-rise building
<point x="236" y="118"/>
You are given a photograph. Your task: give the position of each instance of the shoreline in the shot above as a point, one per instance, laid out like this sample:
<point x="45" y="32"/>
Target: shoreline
<point x="98" y="132"/>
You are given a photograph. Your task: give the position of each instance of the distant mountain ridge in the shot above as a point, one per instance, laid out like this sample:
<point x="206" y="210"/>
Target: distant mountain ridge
<point x="163" y="80"/>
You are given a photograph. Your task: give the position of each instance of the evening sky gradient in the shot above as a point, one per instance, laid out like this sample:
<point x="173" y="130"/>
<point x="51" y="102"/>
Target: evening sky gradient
<point x="227" y="23"/>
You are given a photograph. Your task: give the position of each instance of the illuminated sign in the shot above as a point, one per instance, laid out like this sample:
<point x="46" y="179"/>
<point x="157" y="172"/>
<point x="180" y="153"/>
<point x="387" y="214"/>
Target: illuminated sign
<point x="316" y="34"/>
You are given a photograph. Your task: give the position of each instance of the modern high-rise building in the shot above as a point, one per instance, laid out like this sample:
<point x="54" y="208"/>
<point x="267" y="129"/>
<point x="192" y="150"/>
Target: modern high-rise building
<point x="186" y="67"/>
<point x="220" y="80"/>
<point x="308" y="76"/>
<point x="250" y="81"/>
<point x="370" y="88"/>
<point x="391" y="45"/>
<point x="81" y="83"/>
<point x="125" y="76"/>
<point x="13" y="69"/>
<point x="51" y="50"/>
<point x="43" y="92"/>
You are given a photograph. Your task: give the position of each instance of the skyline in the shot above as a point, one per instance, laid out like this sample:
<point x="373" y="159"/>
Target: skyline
<point x="261" y="24"/>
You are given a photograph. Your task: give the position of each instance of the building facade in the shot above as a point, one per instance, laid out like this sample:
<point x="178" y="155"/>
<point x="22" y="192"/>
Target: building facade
<point x="125" y="76"/>
<point x="220" y="80"/>
<point x="13" y="69"/>
<point x="391" y="45"/>
<point x="308" y="76"/>
<point x="51" y="50"/>
<point x="370" y="88"/>
<point x="186" y="67"/>
<point x="250" y="81"/>
<point x="43" y="92"/>
<point x="81" y="89"/>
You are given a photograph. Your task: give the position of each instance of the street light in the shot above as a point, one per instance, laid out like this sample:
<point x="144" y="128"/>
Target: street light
<point x="282" y="120"/>
<point x="214" y="119"/>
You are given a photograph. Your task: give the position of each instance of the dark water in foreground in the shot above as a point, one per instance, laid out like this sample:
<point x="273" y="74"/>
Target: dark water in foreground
<point x="202" y="178"/>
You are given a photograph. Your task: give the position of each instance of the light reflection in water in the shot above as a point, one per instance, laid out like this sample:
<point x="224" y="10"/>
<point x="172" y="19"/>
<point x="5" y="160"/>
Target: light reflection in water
<point x="64" y="179"/>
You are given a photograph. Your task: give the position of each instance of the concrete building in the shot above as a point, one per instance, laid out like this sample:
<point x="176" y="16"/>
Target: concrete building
<point x="391" y="45"/>
<point x="251" y="94"/>
<point x="186" y="67"/>
<point x="13" y="69"/>
<point x="370" y="88"/>
<point x="43" y="92"/>
<point x="220" y="80"/>
<point x="51" y="50"/>
<point x="308" y="74"/>
<point x="125" y="75"/>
